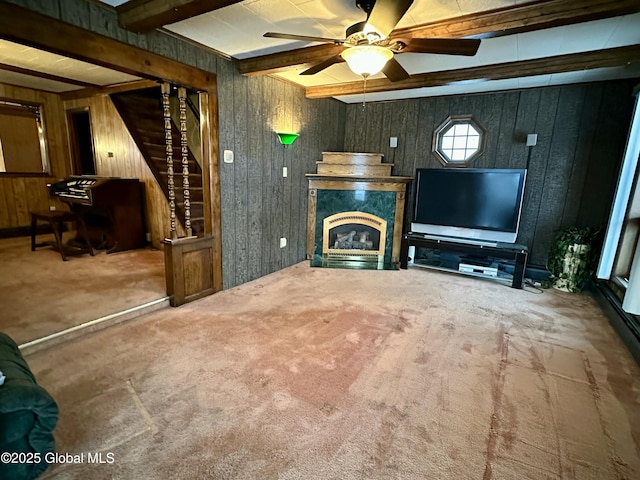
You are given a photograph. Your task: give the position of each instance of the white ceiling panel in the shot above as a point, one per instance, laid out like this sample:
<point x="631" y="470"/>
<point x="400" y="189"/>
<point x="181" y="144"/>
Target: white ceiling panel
<point x="336" y="74"/>
<point x="497" y="50"/>
<point x="536" y="45"/>
<point x="305" y="19"/>
<point x="625" y="32"/>
<point x="36" y="83"/>
<point x="470" y="6"/>
<point x="589" y="36"/>
<point x="530" y="82"/>
<point x="426" y="12"/>
<point x="585" y="36"/>
<point x="37" y="60"/>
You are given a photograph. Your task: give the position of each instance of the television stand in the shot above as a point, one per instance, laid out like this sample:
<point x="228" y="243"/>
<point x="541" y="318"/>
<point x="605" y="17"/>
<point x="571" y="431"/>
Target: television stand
<point x="470" y="258"/>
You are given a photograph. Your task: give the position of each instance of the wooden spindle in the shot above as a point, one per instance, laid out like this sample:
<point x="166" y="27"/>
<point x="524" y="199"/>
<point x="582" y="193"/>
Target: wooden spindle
<point x="182" y="96"/>
<point x="168" y="137"/>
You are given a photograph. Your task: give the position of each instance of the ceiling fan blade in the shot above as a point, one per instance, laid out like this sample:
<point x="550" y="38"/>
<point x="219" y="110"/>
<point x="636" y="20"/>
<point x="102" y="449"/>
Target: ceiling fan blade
<point x="394" y="71"/>
<point x="447" y="46"/>
<point x="322" y="65"/>
<point x="386" y="14"/>
<point x="304" y="38"/>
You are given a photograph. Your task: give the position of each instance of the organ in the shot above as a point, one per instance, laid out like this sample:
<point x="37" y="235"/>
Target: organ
<point x="111" y="208"/>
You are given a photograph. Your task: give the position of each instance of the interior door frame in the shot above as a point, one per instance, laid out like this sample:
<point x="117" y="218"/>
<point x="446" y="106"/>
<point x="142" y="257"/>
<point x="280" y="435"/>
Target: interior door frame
<point x="74" y="141"/>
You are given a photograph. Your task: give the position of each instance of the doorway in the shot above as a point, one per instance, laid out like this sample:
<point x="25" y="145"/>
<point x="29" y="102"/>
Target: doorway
<point x="81" y="142"/>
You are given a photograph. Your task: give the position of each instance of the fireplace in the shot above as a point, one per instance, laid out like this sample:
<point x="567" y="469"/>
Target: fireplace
<point x="356" y="212"/>
<point x="354" y="235"/>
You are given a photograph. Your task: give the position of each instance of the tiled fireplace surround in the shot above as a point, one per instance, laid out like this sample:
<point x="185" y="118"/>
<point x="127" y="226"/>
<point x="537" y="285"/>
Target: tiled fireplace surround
<point x="355" y="212"/>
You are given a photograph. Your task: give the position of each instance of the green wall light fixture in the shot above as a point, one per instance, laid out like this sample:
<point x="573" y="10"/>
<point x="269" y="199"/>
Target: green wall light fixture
<point x="287" y="139"/>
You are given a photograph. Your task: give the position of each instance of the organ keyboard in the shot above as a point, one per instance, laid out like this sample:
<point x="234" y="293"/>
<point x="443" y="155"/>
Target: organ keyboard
<point x="76" y="190"/>
<point x="110" y="206"/>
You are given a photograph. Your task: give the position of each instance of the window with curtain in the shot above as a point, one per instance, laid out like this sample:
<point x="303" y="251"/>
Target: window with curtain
<point x="22" y="142"/>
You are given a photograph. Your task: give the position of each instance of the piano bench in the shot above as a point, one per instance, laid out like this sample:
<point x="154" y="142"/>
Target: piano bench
<point x="56" y="219"/>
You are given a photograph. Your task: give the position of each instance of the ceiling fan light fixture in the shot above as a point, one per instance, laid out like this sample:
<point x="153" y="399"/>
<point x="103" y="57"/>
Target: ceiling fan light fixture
<point x="366" y="60"/>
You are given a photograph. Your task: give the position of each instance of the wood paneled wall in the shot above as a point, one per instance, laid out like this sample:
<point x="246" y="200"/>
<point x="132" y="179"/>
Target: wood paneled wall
<point x="20" y="194"/>
<point x="259" y="206"/>
<point x="573" y="168"/>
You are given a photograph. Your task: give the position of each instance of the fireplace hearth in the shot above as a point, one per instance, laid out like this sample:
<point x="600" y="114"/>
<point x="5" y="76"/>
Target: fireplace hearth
<point x="356" y="210"/>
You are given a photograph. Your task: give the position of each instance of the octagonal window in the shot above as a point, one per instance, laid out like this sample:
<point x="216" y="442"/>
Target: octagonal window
<point x="458" y="141"/>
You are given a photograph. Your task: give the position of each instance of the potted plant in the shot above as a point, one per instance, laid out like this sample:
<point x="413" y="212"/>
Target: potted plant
<point x="572" y="258"/>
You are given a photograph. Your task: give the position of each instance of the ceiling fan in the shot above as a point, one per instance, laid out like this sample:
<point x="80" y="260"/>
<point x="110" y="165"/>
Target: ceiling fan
<point x="368" y="48"/>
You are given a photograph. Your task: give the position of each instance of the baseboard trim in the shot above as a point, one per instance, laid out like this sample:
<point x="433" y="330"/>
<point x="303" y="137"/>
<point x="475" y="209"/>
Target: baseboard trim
<point x="624" y="324"/>
<point x="92" y="326"/>
<point x="25" y="231"/>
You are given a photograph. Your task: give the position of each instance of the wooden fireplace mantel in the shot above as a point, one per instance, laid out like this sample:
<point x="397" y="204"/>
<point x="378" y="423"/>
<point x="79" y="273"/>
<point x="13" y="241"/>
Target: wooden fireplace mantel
<point x="356" y="178"/>
<point x="356" y="172"/>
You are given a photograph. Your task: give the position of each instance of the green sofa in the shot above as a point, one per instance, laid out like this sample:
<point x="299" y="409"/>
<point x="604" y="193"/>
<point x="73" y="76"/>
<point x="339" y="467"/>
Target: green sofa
<point x="28" y="416"/>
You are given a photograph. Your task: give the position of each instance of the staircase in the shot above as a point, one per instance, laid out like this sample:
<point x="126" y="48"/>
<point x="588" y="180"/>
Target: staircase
<point x="141" y="111"/>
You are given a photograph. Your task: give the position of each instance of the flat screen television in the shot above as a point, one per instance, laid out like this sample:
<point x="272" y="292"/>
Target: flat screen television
<point x="469" y="203"/>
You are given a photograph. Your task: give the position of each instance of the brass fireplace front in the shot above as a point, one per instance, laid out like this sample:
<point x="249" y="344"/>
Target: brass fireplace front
<point x="356" y="235"/>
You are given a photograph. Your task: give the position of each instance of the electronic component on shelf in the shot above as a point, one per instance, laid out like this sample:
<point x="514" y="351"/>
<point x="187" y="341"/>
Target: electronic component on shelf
<point x="490" y="271"/>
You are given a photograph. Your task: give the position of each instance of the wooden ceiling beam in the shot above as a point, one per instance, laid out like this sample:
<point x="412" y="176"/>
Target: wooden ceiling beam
<point x="525" y="17"/>
<point x="612" y="57"/>
<point x="520" y="18"/>
<point x="143" y="16"/>
<point x="36" y="30"/>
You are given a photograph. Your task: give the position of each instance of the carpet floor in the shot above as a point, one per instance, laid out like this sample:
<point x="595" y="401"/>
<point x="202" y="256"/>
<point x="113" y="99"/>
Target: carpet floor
<point x="42" y="295"/>
<point x="312" y="373"/>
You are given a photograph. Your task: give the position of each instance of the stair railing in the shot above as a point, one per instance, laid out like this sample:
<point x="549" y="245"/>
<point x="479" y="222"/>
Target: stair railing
<point x="184" y="159"/>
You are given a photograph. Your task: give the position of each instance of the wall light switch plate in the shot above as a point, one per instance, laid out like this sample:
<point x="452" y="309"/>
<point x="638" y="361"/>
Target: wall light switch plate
<point x="228" y="156"/>
<point x="285" y="172"/>
<point x="283" y="242"/>
<point x="393" y="142"/>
